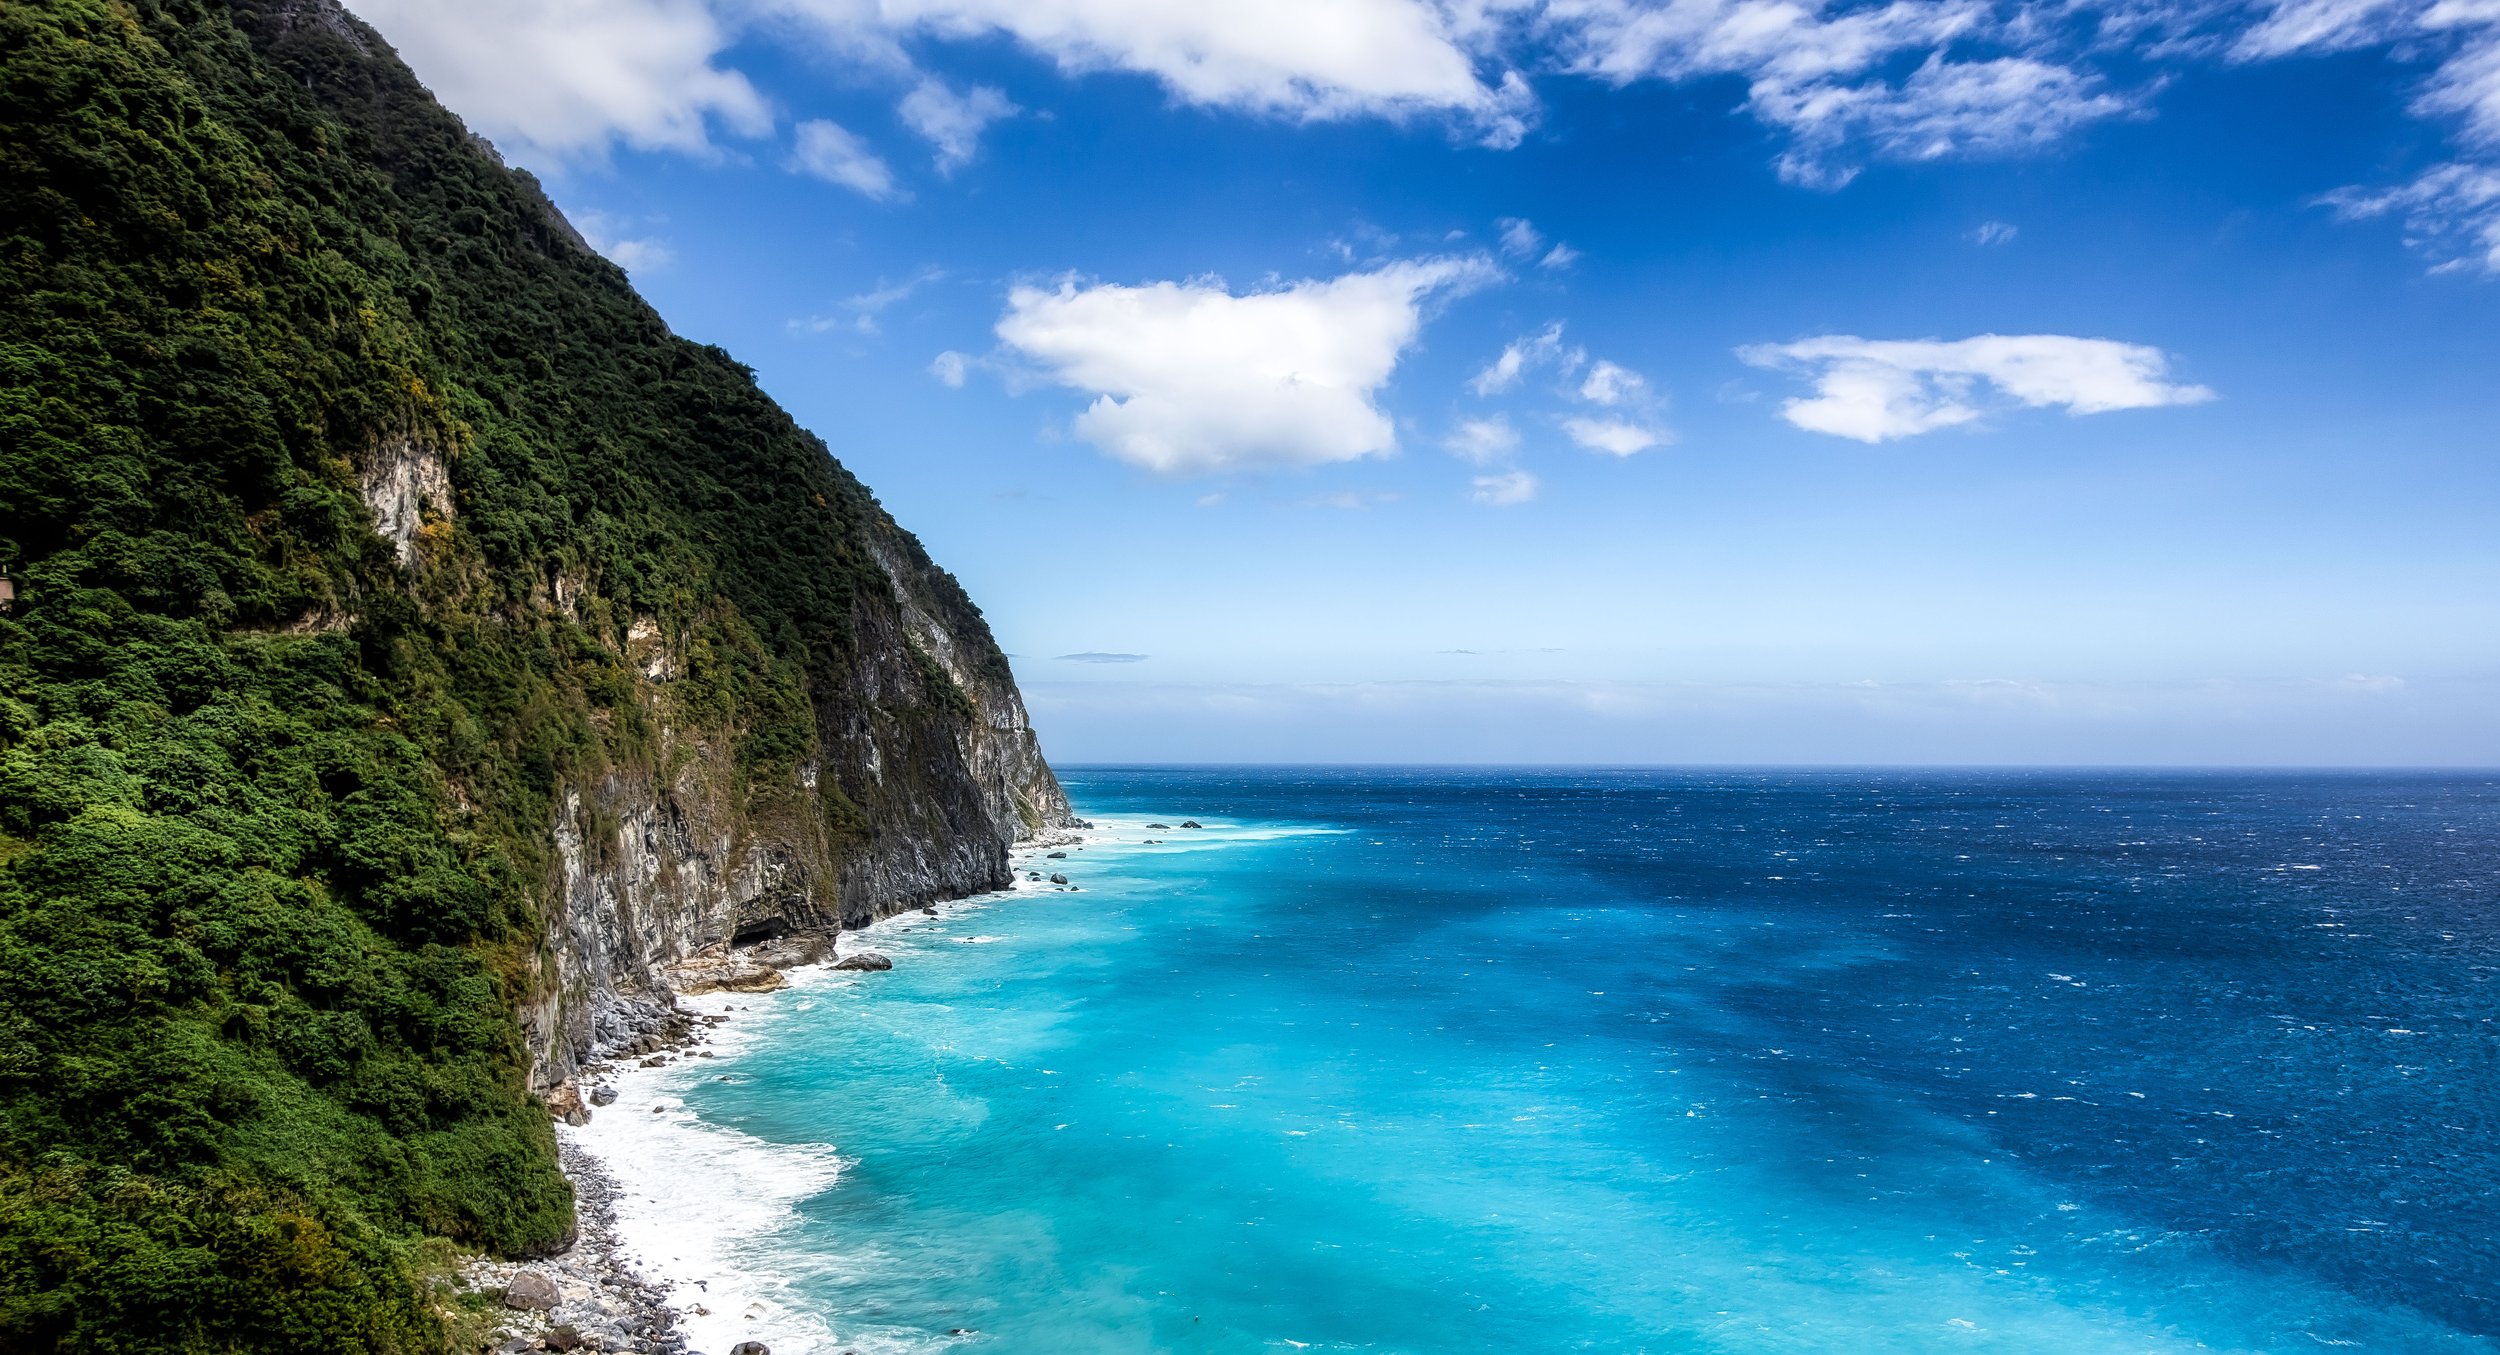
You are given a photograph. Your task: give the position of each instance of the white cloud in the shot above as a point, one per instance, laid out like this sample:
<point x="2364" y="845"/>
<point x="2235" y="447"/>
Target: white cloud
<point x="1192" y="378"/>
<point x="1518" y="356"/>
<point x="1608" y="384"/>
<point x="2468" y="82"/>
<point x="1615" y="437"/>
<point x="1504" y="489"/>
<point x="634" y="254"/>
<point x="1483" y="442"/>
<point x="1995" y="232"/>
<point x="953" y="122"/>
<point x="868" y="305"/>
<point x="558" y="80"/>
<point x="860" y="312"/>
<point x="1944" y="108"/>
<point x="2296" y="26"/>
<point x="1304" y="59"/>
<point x="1520" y="239"/>
<point x="949" y="367"/>
<point x="1817" y="73"/>
<point x="832" y="153"/>
<point x="2452" y="210"/>
<point x="1874" y="390"/>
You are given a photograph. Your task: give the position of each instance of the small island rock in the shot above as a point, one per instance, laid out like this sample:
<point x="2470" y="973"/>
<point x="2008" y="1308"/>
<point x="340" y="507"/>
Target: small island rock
<point x="866" y="959"/>
<point x="1058" y="879"/>
<point x="1191" y="823"/>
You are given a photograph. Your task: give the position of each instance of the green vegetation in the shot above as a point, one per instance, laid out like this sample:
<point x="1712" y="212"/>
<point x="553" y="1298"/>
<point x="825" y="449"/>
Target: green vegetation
<point x="273" y="805"/>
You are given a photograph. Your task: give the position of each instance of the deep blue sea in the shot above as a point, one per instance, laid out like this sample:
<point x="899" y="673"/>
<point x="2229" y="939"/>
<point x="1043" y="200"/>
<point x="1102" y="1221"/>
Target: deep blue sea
<point x="1636" y="1061"/>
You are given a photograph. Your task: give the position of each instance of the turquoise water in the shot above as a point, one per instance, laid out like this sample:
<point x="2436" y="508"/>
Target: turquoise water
<point x="1648" y="1062"/>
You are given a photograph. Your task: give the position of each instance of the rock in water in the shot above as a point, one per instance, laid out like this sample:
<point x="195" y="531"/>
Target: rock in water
<point x="749" y="1348"/>
<point x="603" y="1096"/>
<point x="531" y="1292"/>
<point x="866" y="959"/>
<point x="1058" y="879"/>
<point x="1191" y="823"/>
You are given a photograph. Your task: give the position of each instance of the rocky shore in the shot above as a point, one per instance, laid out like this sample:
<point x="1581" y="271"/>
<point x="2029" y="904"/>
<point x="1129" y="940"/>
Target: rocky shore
<point x="586" y="1298"/>
<point x="590" y="1297"/>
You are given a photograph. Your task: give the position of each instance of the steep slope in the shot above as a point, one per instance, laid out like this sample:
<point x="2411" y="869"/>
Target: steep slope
<point x="416" y="650"/>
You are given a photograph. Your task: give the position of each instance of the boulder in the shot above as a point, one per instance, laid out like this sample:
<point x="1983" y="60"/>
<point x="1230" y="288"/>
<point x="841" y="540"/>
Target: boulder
<point x="1058" y="879"/>
<point x="866" y="959"/>
<point x="530" y="1292"/>
<point x="793" y="950"/>
<point x="562" y="1338"/>
<point x="931" y="912"/>
<point x="603" y="1096"/>
<point x="565" y="1103"/>
<point x="1164" y="826"/>
<point x="750" y="1348"/>
<point x="1191" y="823"/>
<point x="1058" y="856"/>
<point x="721" y="973"/>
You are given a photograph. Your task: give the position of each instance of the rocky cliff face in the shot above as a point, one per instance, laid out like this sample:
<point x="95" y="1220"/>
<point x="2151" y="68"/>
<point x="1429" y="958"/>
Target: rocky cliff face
<point x="420" y="661"/>
<point x="914" y="767"/>
<point x="670" y="867"/>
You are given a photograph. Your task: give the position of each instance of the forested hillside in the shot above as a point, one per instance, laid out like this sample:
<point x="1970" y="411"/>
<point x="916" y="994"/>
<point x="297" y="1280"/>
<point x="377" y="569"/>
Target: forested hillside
<point x="336" y="477"/>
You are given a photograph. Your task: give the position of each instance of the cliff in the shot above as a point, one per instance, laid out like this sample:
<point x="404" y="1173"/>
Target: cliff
<point x="418" y="657"/>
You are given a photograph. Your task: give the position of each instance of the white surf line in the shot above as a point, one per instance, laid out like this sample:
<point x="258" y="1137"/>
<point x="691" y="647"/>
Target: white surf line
<point x="698" y="1205"/>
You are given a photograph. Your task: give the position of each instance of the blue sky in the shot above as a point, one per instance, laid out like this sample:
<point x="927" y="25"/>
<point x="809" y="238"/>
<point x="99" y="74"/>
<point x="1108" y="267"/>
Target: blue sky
<point x="1603" y="380"/>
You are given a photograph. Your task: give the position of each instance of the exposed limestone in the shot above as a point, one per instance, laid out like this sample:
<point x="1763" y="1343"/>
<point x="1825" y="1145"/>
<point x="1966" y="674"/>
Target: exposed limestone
<point x="404" y="481"/>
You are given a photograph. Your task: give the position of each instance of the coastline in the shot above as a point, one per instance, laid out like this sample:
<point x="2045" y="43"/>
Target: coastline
<point x="667" y="1201"/>
<point x="1300" y="1078"/>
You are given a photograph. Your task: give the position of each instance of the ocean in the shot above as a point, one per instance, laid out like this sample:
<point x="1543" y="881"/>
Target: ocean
<point x="1429" y="1061"/>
